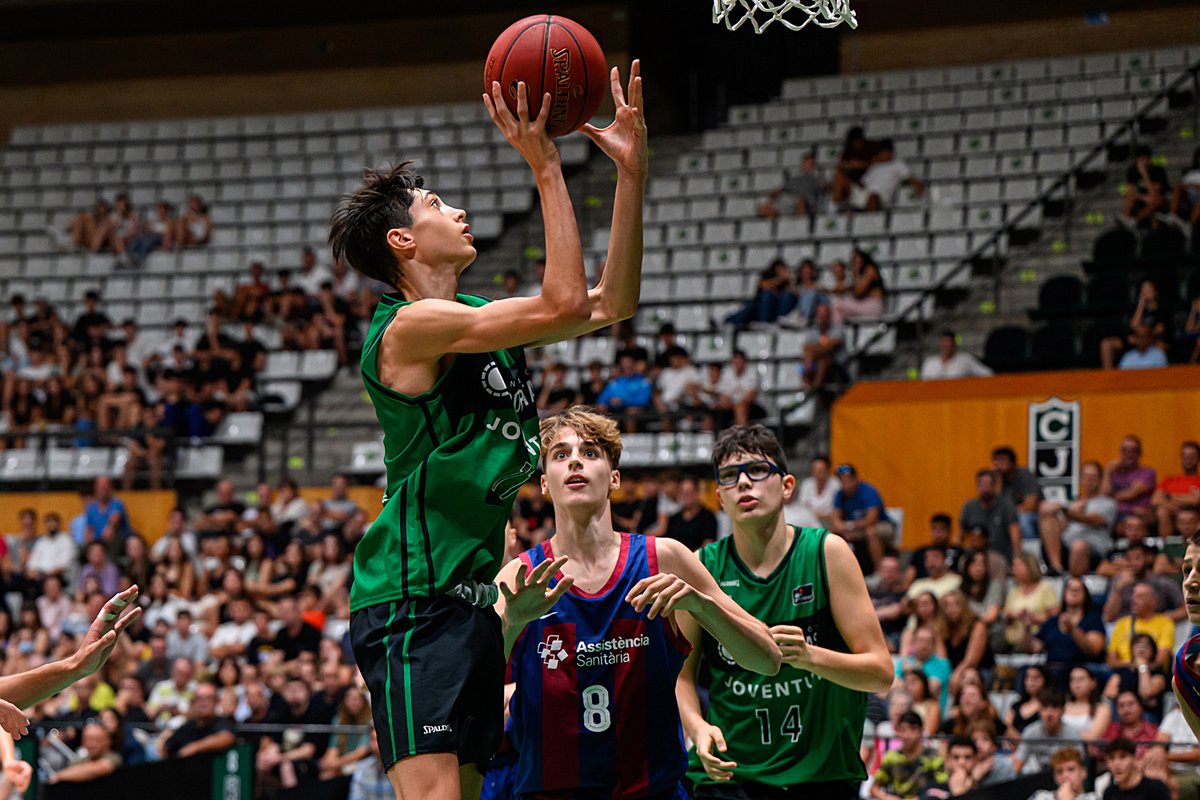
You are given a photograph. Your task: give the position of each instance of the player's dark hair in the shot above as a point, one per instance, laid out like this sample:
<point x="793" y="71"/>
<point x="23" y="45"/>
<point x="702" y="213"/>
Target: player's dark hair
<point x="359" y="226"/>
<point x="754" y="440"/>
<point x="1006" y="452"/>
<point x="962" y="741"/>
<point x="1119" y="745"/>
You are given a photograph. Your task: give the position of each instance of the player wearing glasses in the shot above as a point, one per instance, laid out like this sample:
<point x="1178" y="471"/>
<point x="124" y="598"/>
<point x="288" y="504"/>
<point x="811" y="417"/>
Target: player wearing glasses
<point x="795" y="734"/>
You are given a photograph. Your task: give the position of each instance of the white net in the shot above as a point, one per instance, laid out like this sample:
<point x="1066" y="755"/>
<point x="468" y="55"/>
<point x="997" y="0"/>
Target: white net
<point x="794" y="14"/>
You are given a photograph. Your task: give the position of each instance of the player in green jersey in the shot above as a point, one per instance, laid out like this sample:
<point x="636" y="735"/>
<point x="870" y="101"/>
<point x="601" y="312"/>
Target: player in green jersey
<point x="796" y="734"/>
<point x="447" y="376"/>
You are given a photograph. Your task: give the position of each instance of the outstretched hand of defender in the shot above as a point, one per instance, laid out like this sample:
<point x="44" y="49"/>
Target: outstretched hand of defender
<point x="710" y="743"/>
<point x="664" y="593"/>
<point x="624" y="141"/>
<point x="527" y="136"/>
<point x="531" y="595"/>
<point x="100" y="639"/>
<point x="793" y="645"/>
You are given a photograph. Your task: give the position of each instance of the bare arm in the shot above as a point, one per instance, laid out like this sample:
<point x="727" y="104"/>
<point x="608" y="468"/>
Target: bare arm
<point x="85" y="771"/>
<point x="709" y="739"/>
<point x="220" y="740"/>
<point x="867" y="667"/>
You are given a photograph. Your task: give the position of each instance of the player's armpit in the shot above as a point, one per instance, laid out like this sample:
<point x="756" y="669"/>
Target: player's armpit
<point x="428" y="329"/>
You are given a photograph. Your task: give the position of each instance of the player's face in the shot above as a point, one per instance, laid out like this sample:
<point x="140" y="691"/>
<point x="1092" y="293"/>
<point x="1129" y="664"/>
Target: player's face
<point x="578" y="473"/>
<point x="1191" y="582"/>
<point x="746" y="500"/>
<point x="440" y="232"/>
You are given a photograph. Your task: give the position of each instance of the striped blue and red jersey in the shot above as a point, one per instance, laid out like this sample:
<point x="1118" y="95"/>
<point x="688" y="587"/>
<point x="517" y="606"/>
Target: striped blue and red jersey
<point x="594" y="713"/>
<point x="1187" y="680"/>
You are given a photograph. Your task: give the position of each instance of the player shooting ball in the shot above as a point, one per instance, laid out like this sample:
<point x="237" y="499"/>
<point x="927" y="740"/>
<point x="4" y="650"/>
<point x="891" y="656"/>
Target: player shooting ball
<point x="447" y="375"/>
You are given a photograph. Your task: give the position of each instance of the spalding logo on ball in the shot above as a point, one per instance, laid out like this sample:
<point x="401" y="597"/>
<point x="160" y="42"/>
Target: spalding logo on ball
<point x="554" y="55"/>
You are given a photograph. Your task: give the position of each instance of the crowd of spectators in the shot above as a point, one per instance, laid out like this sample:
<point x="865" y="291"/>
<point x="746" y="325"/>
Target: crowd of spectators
<point x="120" y="228"/>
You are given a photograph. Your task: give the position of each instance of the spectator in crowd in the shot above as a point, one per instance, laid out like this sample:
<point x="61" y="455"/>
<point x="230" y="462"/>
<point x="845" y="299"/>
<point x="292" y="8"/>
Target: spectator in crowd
<point x="53" y="553"/>
<point x="346" y="750"/>
<point x="876" y="189"/>
<point x="369" y="781"/>
<point x="170" y="698"/>
<point x="971" y="705"/>
<point x="1185" y="199"/>
<point x="913" y="768"/>
<point x="888" y="598"/>
<point x="204" y="731"/>
<point x="182" y="642"/>
<point x="1069" y="775"/>
<point x="98" y="758"/>
<point x="1131" y="724"/>
<point x="1143" y="619"/>
<point x="925" y="659"/>
<point x="627" y="394"/>
<point x="101" y="568"/>
<point x="88" y="226"/>
<point x="295" y="636"/>
<point x="966" y="640"/>
<point x="1078" y="532"/>
<point x="823" y="349"/>
<point x="1146" y="190"/>
<point x="739" y="390"/>
<point x="195" y="225"/>
<point x="1144" y="676"/>
<point x="1030" y="602"/>
<point x="1074" y="636"/>
<point x="1147" y="327"/>
<point x="809" y="295"/>
<point x="287" y="761"/>
<point x="985" y="596"/>
<point x="991" y="766"/>
<point x="677" y="385"/>
<point x="1145" y="353"/>
<point x="812" y="504"/>
<point x="107" y="518"/>
<point x="940" y="526"/>
<point x="120" y="229"/>
<point x="1046" y="735"/>
<point x="860" y="516"/>
<point x="772" y="297"/>
<point x="1020" y="487"/>
<point x="939" y="579"/>
<point x="991" y="521"/>
<point x="857" y="154"/>
<point x="554" y="395"/>
<point x="1183" y="753"/>
<point x="91" y="327"/>
<point x="339" y="507"/>
<point x="800" y="193"/>
<point x="950" y="362"/>
<point x="1138" y="567"/>
<point x="926" y="613"/>
<point x="835" y="281"/>
<point x="693" y="524"/>
<point x="1085" y="708"/>
<point x="158" y="231"/>
<point x="1024" y="712"/>
<point x="1180" y="492"/>
<point x="865" y="299"/>
<point x="924" y="702"/>
<point x="1128" y="781"/>
<point x="53" y="605"/>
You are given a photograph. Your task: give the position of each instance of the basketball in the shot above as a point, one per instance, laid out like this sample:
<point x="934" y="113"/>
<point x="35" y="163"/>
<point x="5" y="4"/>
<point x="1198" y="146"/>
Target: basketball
<point x="554" y="55"/>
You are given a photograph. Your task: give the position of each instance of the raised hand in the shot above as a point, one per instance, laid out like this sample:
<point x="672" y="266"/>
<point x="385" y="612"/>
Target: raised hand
<point x="531" y="595"/>
<point x="664" y="593"/>
<point x="528" y="137"/>
<point x="100" y="639"/>
<point x="624" y="141"/>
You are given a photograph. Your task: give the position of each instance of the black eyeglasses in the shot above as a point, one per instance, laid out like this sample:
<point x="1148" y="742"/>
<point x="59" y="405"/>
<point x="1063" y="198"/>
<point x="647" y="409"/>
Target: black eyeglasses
<point x="756" y="470"/>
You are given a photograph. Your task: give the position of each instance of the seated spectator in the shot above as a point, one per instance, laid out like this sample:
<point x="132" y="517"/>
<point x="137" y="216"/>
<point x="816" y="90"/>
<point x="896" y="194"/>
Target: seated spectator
<point x="338" y="507"/>
<point x="171" y="698"/>
<point x="911" y="769"/>
<point x="332" y="322"/>
<point x="1128" y="780"/>
<point x="1147" y="327"/>
<point x="53" y="553"/>
<point x="120" y="229"/>
<point x="312" y="272"/>
<point x="1074" y="636"/>
<point x="824" y="349"/>
<point x="800" y="193"/>
<point x="857" y="154"/>
<point x="950" y="362"/>
<point x="347" y="749"/>
<point x="991" y="516"/>
<point x="739" y="390"/>
<point x="1069" y="775"/>
<point x="939" y="580"/>
<point x="960" y="765"/>
<point x="966" y="639"/>
<point x="1137" y="566"/>
<point x="87" y="226"/>
<point x="1143" y="619"/>
<point x="926" y="659"/>
<point x="627" y="394"/>
<point x="985" y="596"/>
<point x="593" y="384"/>
<point x="836" y="280"/>
<point x="991" y="766"/>
<point x="923" y="702"/>
<point x="195" y="226"/>
<point x="1183" y="753"/>
<point x="98" y="758"/>
<point x="860" y="516"/>
<point x="286" y="761"/>
<point x="940" y="527"/>
<point x="1146" y="190"/>
<point x="554" y="396"/>
<point x="1176" y="493"/>
<point x="812" y="503"/>
<point x="809" y="295"/>
<point x="1047" y="734"/>
<point x="369" y="781"/>
<point x="1020" y="487"/>
<point x="678" y="385"/>
<point x="183" y="642"/>
<point x="1030" y="602"/>
<point x="1131" y="724"/>
<point x="865" y="299"/>
<point x="693" y="524"/>
<point x="145" y="445"/>
<point x="1185" y="199"/>
<point x="899" y="703"/>
<point x="53" y="606"/>
<point x="295" y="636"/>
<point x="926" y="613"/>
<point x="971" y="706"/>
<point x="1078" y="532"/>
<point x="159" y="231"/>
<point x="233" y="637"/>
<point x="99" y="566"/>
<point x="887" y="597"/>
<point x="1144" y="676"/>
<point x="772" y="297"/>
<point x="222" y="517"/>
<point x="876" y="189"/>
<point x="204" y="731"/>
<point x="1085" y="708"/>
<point x="1024" y="712"/>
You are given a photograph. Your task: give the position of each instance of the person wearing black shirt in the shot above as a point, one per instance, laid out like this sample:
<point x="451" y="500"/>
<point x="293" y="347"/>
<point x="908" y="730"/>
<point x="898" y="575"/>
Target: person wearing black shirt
<point x="1128" y="783"/>
<point x="293" y="749"/>
<point x="296" y="635"/>
<point x="1147" y="189"/>
<point x="939" y="536"/>
<point x="554" y="396"/>
<point x="593" y="384"/>
<point x="92" y="325"/>
<point x="221" y="517"/>
<point x="694" y="525"/>
<point x="204" y="731"/>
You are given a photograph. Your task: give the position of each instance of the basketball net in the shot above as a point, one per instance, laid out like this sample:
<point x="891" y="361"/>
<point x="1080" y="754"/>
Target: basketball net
<point x="761" y="13"/>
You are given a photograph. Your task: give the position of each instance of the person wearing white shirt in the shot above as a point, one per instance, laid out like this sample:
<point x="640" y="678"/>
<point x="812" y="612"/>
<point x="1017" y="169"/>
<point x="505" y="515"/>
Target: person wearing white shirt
<point x="813" y="503"/>
<point x="176" y="527"/>
<point x="879" y="183"/>
<point x="54" y="552"/>
<point x="950" y="362"/>
<point x="313" y="273"/>
<point x="740" y="385"/>
<point x="231" y="638"/>
<point x="1183" y="753"/>
<point x="677" y="383"/>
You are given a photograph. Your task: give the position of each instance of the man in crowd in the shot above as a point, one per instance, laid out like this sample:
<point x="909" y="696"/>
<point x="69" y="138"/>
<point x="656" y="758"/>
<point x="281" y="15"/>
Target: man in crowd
<point x="939" y="579"/>
<point x="627" y="394"/>
<point x="1020" y="487"/>
<point x="1069" y="775"/>
<point x="886" y="587"/>
<point x="693" y="524"/>
<point x="800" y="193"/>
<point x="204" y="731"/>
<point x="860" y="516"/>
<point x="1079" y="531"/>
<point x="1130" y="483"/>
<point x="991" y="517"/>
<point x="1128" y="782"/>
<point x="1143" y="618"/>
<point x="1138" y="568"/>
<point x="1042" y="738"/>
<point x="1178" y="492"/>
<point x="950" y="362"/>
<point x="940" y="528"/>
<point x="909" y="771"/>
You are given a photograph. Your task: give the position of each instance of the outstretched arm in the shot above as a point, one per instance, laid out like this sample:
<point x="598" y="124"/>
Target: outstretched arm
<point x="615" y="296"/>
<point x="526" y="594"/>
<point x="27" y="688"/>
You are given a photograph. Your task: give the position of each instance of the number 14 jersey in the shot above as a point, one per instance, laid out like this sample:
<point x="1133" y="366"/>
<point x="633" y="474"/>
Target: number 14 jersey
<point x="594" y="713"/>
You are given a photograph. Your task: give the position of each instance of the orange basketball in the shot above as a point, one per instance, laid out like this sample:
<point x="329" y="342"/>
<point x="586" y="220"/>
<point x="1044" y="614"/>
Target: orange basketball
<point x="550" y="54"/>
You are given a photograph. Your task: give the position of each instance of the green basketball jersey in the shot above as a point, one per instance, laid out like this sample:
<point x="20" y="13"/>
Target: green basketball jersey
<point x="794" y="727"/>
<point x="456" y="456"/>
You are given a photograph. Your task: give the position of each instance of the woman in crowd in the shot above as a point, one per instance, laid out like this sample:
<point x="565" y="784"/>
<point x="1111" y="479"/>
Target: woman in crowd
<point x="985" y="597"/>
<point x="926" y="612"/>
<point x="1143" y="677"/>
<point x="1073" y="636"/>
<point x="865" y="299"/>
<point x="808" y="294"/>
<point x="178" y="571"/>
<point x="971" y="704"/>
<point x="1030" y="602"/>
<point x="772" y="298"/>
<point x="195" y="226"/>
<point x="916" y="684"/>
<point x="1024" y="712"/>
<point x="966" y="638"/>
<point x="347" y="749"/>
<point x="1084" y="709"/>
